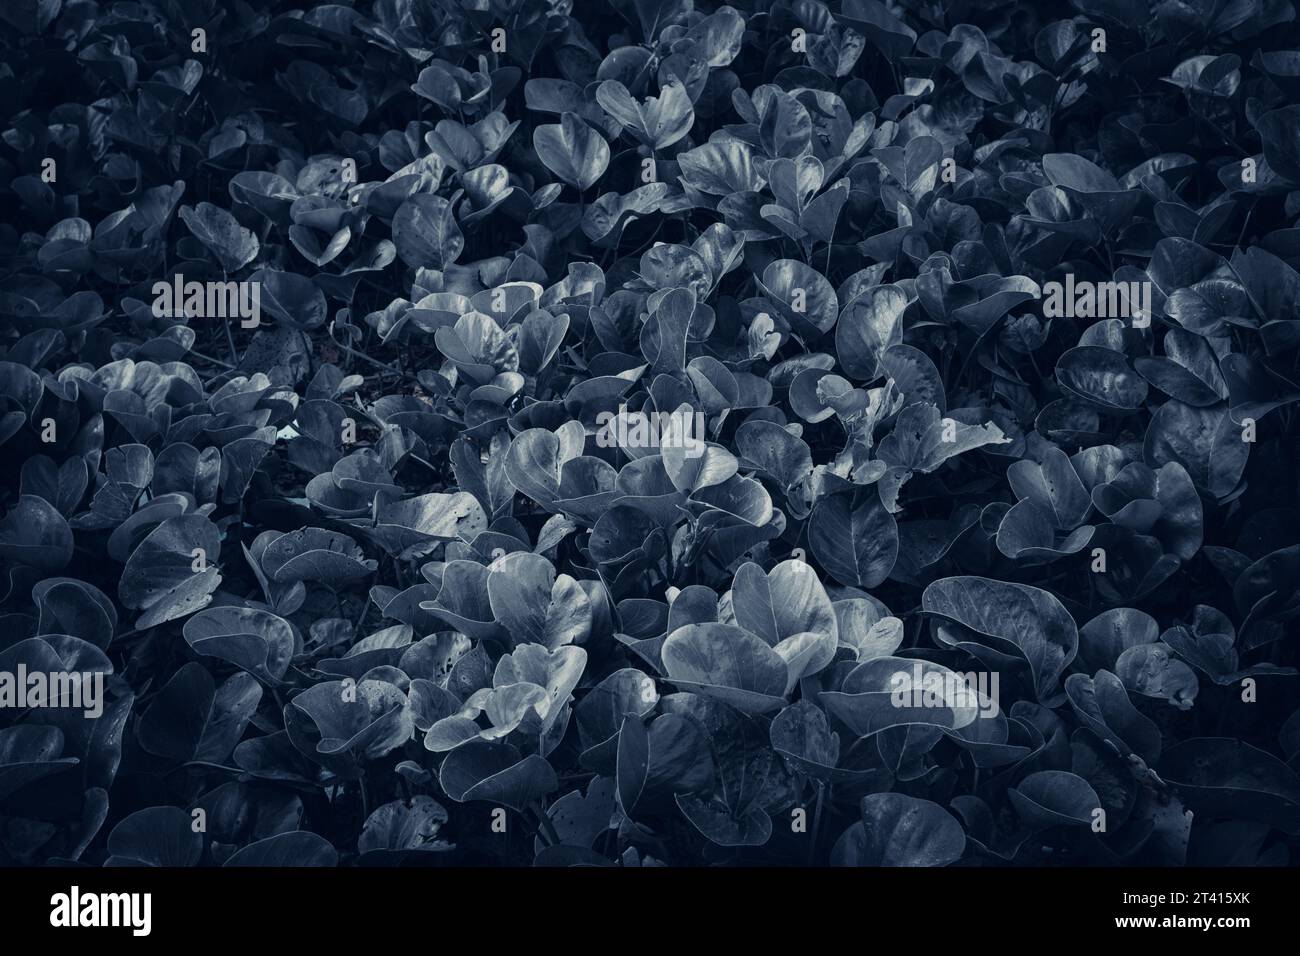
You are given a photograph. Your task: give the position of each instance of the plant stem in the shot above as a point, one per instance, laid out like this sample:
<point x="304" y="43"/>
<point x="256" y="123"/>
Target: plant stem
<point x="375" y="362"/>
<point x="551" y="837"/>
<point x="208" y="358"/>
<point x="817" y="823"/>
<point x="230" y="341"/>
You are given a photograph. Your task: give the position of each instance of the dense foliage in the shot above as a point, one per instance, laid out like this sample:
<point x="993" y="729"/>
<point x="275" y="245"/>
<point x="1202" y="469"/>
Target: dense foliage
<point x="364" y="577"/>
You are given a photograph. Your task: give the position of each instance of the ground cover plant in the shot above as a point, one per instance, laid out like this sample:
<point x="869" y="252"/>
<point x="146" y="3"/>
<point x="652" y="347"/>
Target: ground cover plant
<point x="480" y="432"/>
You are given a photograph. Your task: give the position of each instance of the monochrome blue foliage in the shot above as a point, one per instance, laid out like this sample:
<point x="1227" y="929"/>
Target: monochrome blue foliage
<point x="649" y="432"/>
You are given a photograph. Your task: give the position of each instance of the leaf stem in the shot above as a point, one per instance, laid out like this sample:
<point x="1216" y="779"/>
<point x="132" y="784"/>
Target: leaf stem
<point x="550" y="836"/>
<point x="230" y="341"/>
<point x="817" y="823"/>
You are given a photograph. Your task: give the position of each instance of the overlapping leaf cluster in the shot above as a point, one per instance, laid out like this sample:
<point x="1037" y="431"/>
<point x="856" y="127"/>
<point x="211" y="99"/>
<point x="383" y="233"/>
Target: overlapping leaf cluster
<point x="365" y="585"/>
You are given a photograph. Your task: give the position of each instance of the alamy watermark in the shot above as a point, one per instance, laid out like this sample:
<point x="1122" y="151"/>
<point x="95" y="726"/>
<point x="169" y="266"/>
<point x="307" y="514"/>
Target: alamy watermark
<point x="625" y="429"/>
<point x="1098" y="300"/>
<point x="209" y="300"/>
<point x="977" y="690"/>
<point x="75" y="908"/>
<point x="23" y="689"/>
